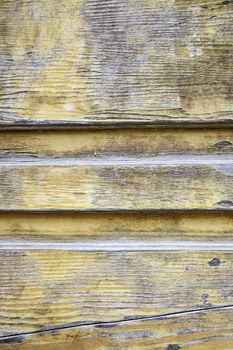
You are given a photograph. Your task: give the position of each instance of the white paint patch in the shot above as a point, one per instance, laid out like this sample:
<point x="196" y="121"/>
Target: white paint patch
<point x="69" y="107"/>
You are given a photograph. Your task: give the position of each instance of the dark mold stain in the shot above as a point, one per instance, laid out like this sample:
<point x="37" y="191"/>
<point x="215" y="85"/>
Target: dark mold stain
<point x="11" y="187"/>
<point x="130" y="318"/>
<point x="107" y="325"/>
<point x="223" y="144"/>
<point x="121" y="40"/>
<point x="54" y="331"/>
<point x="205" y="300"/>
<point x="214" y="262"/>
<point x="173" y="347"/>
<point x="225" y="203"/>
<point x="227" y="2"/>
<point x="11" y="340"/>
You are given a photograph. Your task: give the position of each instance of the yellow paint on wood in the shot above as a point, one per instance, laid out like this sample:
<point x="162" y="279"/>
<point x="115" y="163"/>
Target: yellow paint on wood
<point x="209" y="330"/>
<point x="169" y="183"/>
<point x="100" y="62"/>
<point x="68" y="226"/>
<point x="54" y="288"/>
<point x="124" y="142"/>
<point x="116" y="63"/>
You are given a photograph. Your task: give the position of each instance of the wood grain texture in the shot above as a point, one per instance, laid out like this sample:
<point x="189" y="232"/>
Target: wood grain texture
<point x="123" y="142"/>
<point x="140" y="254"/>
<point x="205" y="330"/>
<point x="97" y="226"/>
<point x="66" y="288"/>
<point x="153" y="183"/>
<point x="121" y="62"/>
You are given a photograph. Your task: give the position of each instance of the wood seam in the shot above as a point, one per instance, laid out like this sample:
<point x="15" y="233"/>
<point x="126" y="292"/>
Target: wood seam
<point x="118" y="246"/>
<point x="164" y="160"/>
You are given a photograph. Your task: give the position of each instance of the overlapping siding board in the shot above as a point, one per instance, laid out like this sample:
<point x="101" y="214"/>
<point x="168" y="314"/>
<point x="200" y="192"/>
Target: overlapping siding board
<point x="116" y="174"/>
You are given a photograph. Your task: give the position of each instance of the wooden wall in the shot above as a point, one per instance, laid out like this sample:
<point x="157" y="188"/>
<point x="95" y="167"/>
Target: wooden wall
<point x="116" y="175"/>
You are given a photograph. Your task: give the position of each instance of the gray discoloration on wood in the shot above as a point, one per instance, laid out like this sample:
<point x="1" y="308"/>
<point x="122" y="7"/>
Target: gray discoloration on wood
<point x="160" y="183"/>
<point x="119" y="284"/>
<point x="121" y="62"/>
<point x="11" y="187"/>
<point x="113" y="143"/>
<point x="71" y="329"/>
<point x="117" y="276"/>
<point x="12" y="340"/>
<point x="173" y="347"/>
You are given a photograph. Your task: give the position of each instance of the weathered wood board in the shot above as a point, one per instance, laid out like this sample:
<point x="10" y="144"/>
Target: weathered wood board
<point x="123" y="143"/>
<point x="120" y="235"/>
<point x="108" y="169"/>
<point x="87" y="268"/>
<point x="205" y="330"/>
<point x="57" y="227"/>
<point x="119" y="184"/>
<point x="62" y="288"/>
<point x="119" y="62"/>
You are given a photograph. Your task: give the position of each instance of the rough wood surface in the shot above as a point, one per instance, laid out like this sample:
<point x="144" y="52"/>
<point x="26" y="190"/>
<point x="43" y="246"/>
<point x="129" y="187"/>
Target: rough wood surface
<point x="205" y="330"/>
<point x="139" y="255"/>
<point x="153" y="62"/>
<point x="118" y="183"/>
<point x="62" y="288"/>
<point x="97" y="226"/>
<point x="123" y="142"/>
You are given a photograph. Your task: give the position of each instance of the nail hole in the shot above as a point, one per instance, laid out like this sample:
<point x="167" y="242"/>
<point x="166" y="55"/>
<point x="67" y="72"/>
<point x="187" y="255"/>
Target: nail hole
<point x="223" y="144"/>
<point x="225" y="203"/>
<point x="214" y="262"/>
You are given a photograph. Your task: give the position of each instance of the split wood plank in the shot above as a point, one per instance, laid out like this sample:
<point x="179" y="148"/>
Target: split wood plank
<point x="205" y="330"/>
<point x="42" y="289"/>
<point x="111" y="63"/>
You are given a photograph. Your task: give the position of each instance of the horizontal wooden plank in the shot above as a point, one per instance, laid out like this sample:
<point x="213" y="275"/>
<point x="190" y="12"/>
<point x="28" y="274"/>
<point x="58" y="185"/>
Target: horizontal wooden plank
<point x="97" y="226"/>
<point x="154" y="62"/>
<point x="124" y="142"/>
<point x="42" y="289"/>
<point x="121" y="184"/>
<point x="189" y="331"/>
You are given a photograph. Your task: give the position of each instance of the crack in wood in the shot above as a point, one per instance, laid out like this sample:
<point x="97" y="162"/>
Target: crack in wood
<point x="16" y="337"/>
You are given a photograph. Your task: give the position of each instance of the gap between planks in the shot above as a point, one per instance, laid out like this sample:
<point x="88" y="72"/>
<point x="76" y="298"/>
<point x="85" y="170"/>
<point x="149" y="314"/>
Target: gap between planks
<point x="117" y="245"/>
<point x="166" y="160"/>
<point x="30" y="125"/>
